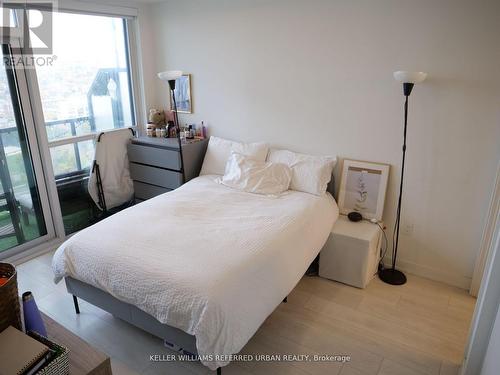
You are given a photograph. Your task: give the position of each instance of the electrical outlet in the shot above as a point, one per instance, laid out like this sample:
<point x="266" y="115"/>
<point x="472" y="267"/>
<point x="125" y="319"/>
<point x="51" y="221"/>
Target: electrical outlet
<point x="407" y="229"/>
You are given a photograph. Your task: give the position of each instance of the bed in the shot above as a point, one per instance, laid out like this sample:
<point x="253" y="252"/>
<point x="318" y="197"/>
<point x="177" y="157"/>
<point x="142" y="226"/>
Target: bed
<point x="202" y="266"/>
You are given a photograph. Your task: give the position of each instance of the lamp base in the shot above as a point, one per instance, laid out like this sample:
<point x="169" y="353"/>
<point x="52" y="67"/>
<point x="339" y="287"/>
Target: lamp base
<point x="393" y="277"/>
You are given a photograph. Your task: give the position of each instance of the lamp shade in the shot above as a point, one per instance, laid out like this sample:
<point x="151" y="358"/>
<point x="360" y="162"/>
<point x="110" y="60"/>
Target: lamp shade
<point x="409" y="77"/>
<point x="170" y="75"/>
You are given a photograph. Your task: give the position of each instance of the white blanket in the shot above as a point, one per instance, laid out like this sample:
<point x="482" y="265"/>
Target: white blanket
<point x="207" y="259"/>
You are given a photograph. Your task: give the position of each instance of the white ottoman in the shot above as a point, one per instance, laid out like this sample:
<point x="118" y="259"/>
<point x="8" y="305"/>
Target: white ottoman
<point x="351" y="253"/>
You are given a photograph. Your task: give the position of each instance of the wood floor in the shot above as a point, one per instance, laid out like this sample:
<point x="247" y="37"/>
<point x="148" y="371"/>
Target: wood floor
<point x="417" y="329"/>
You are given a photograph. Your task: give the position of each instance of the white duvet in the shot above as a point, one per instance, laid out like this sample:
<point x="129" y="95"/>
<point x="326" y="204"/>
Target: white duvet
<point x="207" y="259"/>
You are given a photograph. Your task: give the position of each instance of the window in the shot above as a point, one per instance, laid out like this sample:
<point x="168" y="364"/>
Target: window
<point x="87" y="89"/>
<point x="81" y="86"/>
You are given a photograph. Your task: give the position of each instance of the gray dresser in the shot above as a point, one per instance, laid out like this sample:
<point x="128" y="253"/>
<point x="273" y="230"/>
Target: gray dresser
<point x="155" y="164"/>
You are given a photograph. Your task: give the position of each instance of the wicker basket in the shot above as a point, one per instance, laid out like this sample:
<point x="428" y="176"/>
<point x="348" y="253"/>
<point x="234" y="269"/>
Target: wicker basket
<point x="58" y="365"/>
<point x="10" y="313"/>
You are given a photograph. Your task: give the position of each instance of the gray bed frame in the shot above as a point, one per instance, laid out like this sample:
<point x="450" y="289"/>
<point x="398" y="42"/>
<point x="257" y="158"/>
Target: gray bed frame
<point x="131" y="314"/>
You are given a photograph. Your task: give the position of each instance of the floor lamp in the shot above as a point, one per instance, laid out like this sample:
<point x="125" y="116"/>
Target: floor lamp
<point x="392" y="275"/>
<point x="170" y="77"/>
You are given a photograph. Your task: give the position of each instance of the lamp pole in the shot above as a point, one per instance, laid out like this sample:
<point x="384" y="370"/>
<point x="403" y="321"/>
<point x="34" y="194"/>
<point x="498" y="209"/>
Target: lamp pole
<point x="398" y="215"/>
<point x="177" y="127"/>
<point x="392" y="275"/>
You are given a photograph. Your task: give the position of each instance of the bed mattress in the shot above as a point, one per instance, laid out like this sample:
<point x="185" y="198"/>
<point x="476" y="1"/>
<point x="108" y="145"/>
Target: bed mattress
<point x="207" y="259"/>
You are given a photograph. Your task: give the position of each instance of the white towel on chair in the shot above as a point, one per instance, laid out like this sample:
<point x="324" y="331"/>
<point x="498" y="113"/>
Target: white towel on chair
<point x="111" y="156"/>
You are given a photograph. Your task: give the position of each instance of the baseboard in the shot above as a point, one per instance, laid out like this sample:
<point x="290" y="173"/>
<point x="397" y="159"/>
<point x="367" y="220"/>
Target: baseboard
<point x="34" y="252"/>
<point x="462" y="282"/>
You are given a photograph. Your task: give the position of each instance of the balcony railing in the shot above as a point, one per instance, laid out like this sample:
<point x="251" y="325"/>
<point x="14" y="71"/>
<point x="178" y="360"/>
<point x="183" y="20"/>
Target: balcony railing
<point x="73" y="123"/>
<point x="74" y="131"/>
<point x="76" y="134"/>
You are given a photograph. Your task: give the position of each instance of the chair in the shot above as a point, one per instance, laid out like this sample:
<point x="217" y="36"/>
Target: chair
<point x="110" y="185"/>
<point x="8" y="202"/>
<point x="13" y="228"/>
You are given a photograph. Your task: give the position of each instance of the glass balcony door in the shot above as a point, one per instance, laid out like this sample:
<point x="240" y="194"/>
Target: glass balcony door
<point x="50" y="116"/>
<point x="25" y="218"/>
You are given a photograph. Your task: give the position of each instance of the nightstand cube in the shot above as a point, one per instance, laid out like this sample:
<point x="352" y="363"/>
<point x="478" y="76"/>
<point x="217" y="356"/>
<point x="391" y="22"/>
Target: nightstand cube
<point x="351" y="253"/>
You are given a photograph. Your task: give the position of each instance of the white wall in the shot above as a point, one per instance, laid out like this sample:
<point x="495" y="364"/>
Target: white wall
<point x="316" y="76"/>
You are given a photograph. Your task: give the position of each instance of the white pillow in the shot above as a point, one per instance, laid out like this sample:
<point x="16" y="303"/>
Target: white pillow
<point x="253" y="176"/>
<point x="219" y="150"/>
<point x="310" y="174"/>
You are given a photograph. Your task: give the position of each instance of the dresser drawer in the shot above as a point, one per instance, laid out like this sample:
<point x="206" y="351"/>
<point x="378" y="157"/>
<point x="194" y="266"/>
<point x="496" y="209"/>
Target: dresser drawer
<point x="155" y="176"/>
<point x="145" y="191"/>
<point x="158" y="157"/>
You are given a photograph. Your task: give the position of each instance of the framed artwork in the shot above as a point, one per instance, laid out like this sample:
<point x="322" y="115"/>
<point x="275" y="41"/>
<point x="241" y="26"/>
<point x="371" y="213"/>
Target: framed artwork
<point x="182" y="94"/>
<point x="362" y="188"/>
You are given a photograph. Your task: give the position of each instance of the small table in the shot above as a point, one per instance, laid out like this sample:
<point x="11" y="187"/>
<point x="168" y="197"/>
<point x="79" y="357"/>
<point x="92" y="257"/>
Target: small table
<point x="351" y="253"/>
<point x="83" y="358"/>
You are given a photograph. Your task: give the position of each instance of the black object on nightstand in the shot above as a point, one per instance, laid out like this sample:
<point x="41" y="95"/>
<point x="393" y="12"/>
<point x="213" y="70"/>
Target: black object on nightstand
<point x="354" y="216"/>
<point x="155" y="164"/>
